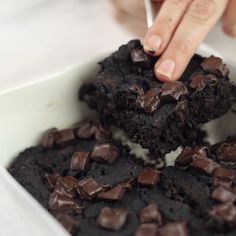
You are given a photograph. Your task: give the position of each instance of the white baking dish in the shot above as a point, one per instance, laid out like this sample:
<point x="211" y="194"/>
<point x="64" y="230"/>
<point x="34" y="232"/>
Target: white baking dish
<point x="28" y="111"/>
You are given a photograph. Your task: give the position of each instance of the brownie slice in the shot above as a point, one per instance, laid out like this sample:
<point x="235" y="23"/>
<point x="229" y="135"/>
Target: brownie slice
<point x="94" y="186"/>
<point x="159" y="116"/>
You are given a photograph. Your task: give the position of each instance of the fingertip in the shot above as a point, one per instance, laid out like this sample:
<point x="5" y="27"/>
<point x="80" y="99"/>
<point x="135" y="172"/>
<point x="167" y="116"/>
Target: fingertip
<point x="152" y="44"/>
<point x="230" y="30"/>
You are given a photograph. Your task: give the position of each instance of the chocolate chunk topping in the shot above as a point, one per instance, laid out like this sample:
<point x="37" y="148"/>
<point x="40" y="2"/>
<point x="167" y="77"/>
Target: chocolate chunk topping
<point x="186" y="156"/>
<point x="114" y="194"/>
<point x="67" y="221"/>
<point x="150" y="213"/>
<point x="79" y="161"/>
<point x="174" y="229"/>
<point x="225" y="212"/>
<point x="222" y="182"/>
<point x="112" y="219"/>
<point x="89" y="188"/>
<point x="128" y="184"/>
<point x="104" y="153"/>
<point x="66" y="136"/>
<point x="59" y="201"/>
<point x="147" y="230"/>
<point x="90" y="129"/>
<point x="66" y="185"/>
<point x="215" y="66"/>
<point x="223" y="194"/>
<point x="149" y="177"/>
<point x="227" y="152"/>
<point x="138" y="55"/>
<point x="224" y="173"/>
<point x="49" y="138"/>
<point x="52" y="179"/>
<point x="199" y="81"/>
<point x="151" y="100"/>
<point x="172" y="91"/>
<point x="203" y="164"/>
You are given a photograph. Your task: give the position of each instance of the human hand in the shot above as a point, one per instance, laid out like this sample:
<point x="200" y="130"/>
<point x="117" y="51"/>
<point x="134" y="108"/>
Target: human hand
<point x="178" y="30"/>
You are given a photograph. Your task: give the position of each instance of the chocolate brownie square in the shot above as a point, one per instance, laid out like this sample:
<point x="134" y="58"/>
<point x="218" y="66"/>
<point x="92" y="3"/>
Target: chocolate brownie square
<point x="94" y="186"/>
<point x="159" y="116"/>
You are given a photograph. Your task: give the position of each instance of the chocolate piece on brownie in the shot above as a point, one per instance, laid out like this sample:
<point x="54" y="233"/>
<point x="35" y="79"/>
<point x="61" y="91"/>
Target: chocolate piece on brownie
<point x="159" y="116"/>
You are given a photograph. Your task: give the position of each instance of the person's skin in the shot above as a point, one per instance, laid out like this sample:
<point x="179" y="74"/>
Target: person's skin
<point x="178" y="30"/>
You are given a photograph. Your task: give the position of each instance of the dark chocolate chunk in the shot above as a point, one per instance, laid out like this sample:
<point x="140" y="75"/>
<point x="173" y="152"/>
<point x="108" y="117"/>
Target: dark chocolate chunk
<point x="224" y="173"/>
<point x="113" y="219"/>
<point x="66" y="136"/>
<point x="151" y="213"/>
<point x="138" y="55"/>
<point x="59" y="201"/>
<point x="88" y="188"/>
<point x="151" y="100"/>
<point x="172" y="91"/>
<point x="174" y="229"/>
<point x="147" y="230"/>
<point x="203" y="164"/>
<point x="67" y="185"/>
<point x="225" y="212"/>
<point x="222" y="182"/>
<point x="114" y="194"/>
<point x="104" y="153"/>
<point x="223" y="194"/>
<point x="128" y="184"/>
<point x="67" y="221"/>
<point x="227" y="152"/>
<point x="199" y="81"/>
<point x="79" y="160"/>
<point x="149" y="177"/>
<point x="52" y="179"/>
<point x="215" y="66"/>
<point x="50" y="137"/>
<point x="186" y="156"/>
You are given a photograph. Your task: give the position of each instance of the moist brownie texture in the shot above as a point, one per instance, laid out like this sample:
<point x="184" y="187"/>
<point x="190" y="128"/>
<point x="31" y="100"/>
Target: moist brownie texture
<point x="159" y="116"/>
<point x="94" y="186"/>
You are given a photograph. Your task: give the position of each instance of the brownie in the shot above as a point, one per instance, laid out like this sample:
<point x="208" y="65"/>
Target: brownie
<point x="93" y="186"/>
<point x="159" y="116"/>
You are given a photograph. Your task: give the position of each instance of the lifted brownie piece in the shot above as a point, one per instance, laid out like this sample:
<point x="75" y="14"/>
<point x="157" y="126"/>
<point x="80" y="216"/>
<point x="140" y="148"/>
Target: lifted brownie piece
<point x="159" y="116"/>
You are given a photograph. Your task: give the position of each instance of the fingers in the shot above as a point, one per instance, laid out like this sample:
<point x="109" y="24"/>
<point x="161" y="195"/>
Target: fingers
<point x="199" y="18"/>
<point x="229" y="19"/>
<point x="169" y="16"/>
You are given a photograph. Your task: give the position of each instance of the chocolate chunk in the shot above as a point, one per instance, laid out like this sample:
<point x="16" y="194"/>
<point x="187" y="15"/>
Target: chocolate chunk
<point x="174" y="229"/>
<point x="224" y="173"/>
<point x="104" y="153"/>
<point x="50" y="137"/>
<point x="149" y="177"/>
<point x="138" y="55"/>
<point x="128" y="184"/>
<point x="172" y="91"/>
<point x="203" y="164"/>
<point x="52" y="179"/>
<point x="186" y="156"/>
<point x="215" y="66"/>
<point x="147" y="230"/>
<point x="90" y="129"/>
<point x="66" y="136"/>
<point x="67" y="221"/>
<point x="112" y="219"/>
<point x="59" y="201"/>
<point x="114" y="194"/>
<point x="223" y="194"/>
<point x="227" y="152"/>
<point x="222" y="182"/>
<point x="199" y="81"/>
<point x="67" y="185"/>
<point x="151" y="100"/>
<point x="225" y="212"/>
<point x="89" y="188"/>
<point x="79" y="160"/>
<point x="150" y="213"/>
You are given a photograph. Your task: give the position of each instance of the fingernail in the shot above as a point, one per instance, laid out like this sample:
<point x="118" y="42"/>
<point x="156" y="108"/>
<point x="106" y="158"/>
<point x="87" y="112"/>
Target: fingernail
<point x="166" y="69"/>
<point x="153" y="44"/>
